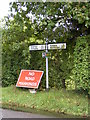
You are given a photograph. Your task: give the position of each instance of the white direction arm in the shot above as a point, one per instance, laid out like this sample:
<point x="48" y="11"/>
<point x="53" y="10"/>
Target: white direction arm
<point x="50" y="46"/>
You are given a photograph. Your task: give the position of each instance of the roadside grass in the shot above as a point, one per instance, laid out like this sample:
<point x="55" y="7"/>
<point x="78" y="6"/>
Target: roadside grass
<point x="57" y="101"/>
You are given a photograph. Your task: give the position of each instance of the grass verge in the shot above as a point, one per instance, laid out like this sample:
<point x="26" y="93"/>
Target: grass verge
<point x="55" y="101"/>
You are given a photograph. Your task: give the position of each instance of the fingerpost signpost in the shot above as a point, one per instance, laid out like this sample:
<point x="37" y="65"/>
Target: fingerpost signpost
<point x="46" y="48"/>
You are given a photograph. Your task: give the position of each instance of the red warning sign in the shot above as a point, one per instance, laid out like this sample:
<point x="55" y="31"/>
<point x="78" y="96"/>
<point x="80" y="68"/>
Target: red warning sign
<point x="29" y="78"/>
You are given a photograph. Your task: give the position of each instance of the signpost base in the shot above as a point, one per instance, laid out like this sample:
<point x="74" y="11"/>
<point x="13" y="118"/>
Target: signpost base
<point x="47" y="89"/>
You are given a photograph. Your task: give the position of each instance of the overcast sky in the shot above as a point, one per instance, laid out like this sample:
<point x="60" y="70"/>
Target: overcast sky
<point x="4" y="7"/>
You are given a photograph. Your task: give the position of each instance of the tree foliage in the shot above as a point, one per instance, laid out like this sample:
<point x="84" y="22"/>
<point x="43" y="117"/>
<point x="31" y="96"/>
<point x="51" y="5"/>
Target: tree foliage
<point x="54" y="20"/>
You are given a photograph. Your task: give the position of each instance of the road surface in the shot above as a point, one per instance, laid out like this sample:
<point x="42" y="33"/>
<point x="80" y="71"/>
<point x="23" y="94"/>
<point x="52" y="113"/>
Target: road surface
<point x="4" y="113"/>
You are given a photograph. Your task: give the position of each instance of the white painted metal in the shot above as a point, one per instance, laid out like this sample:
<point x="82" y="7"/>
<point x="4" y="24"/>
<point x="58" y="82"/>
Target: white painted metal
<point x="47" y="86"/>
<point x="57" y="46"/>
<point x="37" y="47"/>
<point x="50" y="46"/>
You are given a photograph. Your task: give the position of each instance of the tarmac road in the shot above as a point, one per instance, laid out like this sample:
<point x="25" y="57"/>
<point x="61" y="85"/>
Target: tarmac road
<point x="4" y="113"/>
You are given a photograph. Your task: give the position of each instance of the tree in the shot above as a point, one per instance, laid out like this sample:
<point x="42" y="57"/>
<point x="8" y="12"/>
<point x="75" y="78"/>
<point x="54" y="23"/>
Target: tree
<point x="54" y="20"/>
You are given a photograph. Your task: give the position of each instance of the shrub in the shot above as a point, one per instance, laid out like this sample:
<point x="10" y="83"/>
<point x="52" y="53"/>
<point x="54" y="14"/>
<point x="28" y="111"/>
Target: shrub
<point x="81" y="64"/>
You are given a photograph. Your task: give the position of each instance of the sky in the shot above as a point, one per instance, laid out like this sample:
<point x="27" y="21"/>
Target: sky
<point x="4" y="7"/>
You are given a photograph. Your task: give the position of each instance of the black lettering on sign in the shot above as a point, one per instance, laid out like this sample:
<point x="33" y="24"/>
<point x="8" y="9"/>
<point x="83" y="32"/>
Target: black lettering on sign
<point x="34" y="47"/>
<point x="54" y="47"/>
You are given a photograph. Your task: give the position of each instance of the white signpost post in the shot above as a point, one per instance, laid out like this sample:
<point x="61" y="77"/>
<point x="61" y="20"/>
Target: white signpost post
<point x="47" y="47"/>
